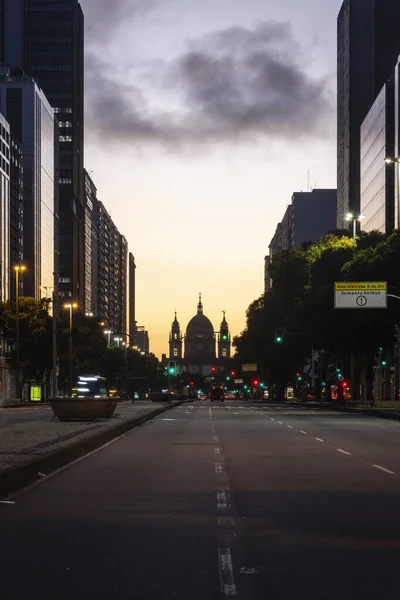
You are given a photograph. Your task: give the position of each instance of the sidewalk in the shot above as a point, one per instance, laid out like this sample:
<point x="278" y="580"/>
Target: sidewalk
<point x="364" y="409"/>
<point x="34" y="442"/>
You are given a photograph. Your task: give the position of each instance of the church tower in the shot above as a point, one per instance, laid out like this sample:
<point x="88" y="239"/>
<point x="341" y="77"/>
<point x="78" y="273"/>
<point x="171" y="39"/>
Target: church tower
<point x="224" y="342"/>
<point x="175" y="341"/>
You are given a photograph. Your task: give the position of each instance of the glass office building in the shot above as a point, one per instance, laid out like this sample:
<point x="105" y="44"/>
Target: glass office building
<point x="4" y="209"/>
<point x="31" y="120"/>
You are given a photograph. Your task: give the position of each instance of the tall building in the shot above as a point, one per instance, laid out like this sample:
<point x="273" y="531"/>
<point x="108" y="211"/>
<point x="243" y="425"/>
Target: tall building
<point x="132" y="300"/>
<point x="111" y="273"/>
<point x="377" y="143"/>
<point x="90" y="245"/>
<point x="16" y="213"/>
<point x="4" y="209"/>
<point x="45" y="40"/>
<point x="309" y="216"/>
<point x="142" y="339"/>
<point x="31" y="120"/>
<point x="368" y="46"/>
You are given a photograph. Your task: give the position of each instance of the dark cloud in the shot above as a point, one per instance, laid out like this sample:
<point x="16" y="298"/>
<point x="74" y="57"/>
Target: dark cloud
<point x="104" y="17"/>
<point x="234" y="84"/>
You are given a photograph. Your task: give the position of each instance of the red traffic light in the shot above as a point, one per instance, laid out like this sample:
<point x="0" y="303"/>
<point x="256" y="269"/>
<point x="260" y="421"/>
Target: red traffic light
<point x="255" y="382"/>
<point x="213" y="369"/>
<point x="344" y="383"/>
<point x="233" y="373"/>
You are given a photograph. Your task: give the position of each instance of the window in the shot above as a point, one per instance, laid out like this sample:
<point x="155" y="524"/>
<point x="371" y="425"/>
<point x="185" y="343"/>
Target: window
<point x="175" y="351"/>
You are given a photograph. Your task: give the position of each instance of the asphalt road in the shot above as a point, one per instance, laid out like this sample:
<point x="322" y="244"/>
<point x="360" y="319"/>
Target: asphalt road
<point x="211" y="501"/>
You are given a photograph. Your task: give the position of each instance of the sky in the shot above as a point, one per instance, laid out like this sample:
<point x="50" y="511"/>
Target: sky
<point x="202" y="117"/>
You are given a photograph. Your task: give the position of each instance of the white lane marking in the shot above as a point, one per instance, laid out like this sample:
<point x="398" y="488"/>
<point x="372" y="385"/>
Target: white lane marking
<point x="235" y="413"/>
<point x="6" y="502"/>
<point x="228" y="587"/>
<point x="319" y="440"/>
<point x="280" y="422"/>
<point x="290" y="427"/>
<point x="301" y="431"/>
<point x="217" y="451"/>
<point x="384" y="470"/>
<point x="272" y="419"/>
<point x="218" y="468"/>
<point x="170" y="419"/>
<point x="222" y="500"/>
<point x="215" y="438"/>
<point x="187" y="412"/>
<point x="343" y="451"/>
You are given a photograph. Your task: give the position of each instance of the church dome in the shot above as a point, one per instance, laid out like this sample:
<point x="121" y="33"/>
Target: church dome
<point x="199" y="324"/>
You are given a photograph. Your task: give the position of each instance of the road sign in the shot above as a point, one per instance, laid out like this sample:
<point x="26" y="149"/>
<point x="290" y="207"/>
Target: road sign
<point x="238" y="380"/>
<point x="360" y="294"/>
<point x="249" y="367"/>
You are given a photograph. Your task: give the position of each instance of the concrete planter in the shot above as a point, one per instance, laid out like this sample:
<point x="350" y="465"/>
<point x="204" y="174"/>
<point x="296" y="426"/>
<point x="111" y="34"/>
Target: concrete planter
<point x="83" y="409"/>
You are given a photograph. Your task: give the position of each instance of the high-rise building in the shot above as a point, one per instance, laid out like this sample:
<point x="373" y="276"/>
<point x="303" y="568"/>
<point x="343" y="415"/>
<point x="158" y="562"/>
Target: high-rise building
<point x="112" y="269"/>
<point x="142" y="339"/>
<point x="132" y="299"/>
<point x="368" y="47"/>
<point x="31" y="120"/>
<point x="4" y="209"/>
<point x="90" y="246"/>
<point x="377" y="176"/>
<point x="16" y="213"/>
<point x="45" y="40"/>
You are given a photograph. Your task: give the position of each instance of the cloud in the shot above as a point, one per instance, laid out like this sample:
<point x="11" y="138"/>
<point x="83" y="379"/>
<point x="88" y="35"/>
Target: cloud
<point x="104" y="17"/>
<point x="234" y="84"/>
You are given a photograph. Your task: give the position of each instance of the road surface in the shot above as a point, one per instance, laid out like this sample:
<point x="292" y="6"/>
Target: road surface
<point x="213" y="501"/>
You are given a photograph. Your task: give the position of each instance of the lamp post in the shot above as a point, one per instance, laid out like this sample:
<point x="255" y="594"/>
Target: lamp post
<point x="354" y="218"/>
<point x="18" y="269"/>
<point x="70" y="307"/>
<point x="108" y="333"/>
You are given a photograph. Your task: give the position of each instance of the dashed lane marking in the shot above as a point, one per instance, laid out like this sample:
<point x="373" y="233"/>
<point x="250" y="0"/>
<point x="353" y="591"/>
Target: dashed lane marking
<point x="301" y="431"/>
<point x="290" y="427"/>
<point x="384" y="470"/>
<point x="222" y="500"/>
<point x="218" y="468"/>
<point x="319" y="440"/>
<point x="228" y="587"/>
<point x="217" y="451"/>
<point x="343" y="451"/>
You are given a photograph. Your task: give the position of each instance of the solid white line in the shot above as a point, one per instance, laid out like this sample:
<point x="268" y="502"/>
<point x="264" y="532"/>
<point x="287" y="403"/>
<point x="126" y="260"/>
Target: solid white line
<point x="319" y="440"/>
<point x="290" y="427"/>
<point x="343" y="451"/>
<point x="228" y="587"/>
<point x="383" y="469"/>
<point x="6" y="502"/>
<point x="301" y="431"/>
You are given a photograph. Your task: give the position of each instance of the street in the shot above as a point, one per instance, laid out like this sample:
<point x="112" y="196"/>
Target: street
<point x="210" y="500"/>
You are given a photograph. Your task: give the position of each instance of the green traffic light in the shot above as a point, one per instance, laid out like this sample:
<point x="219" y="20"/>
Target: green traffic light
<point x="228" y="378"/>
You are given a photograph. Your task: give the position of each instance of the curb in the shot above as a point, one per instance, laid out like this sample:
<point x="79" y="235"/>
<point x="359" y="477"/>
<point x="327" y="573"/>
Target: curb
<point x="23" y="404"/>
<point x="14" y="478"/>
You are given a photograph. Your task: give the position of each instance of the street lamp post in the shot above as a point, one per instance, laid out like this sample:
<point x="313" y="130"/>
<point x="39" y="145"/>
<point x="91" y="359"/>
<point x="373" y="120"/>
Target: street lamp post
<point x="108" y="333"/>
<point x="70" y="307"/>
<point x="18" y="269"/>
<point x="354" y="218"/>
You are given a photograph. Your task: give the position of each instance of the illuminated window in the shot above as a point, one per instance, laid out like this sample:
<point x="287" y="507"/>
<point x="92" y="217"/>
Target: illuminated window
<point x="175" y="351"/>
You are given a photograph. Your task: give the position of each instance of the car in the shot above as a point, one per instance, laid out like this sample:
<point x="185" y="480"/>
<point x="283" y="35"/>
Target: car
<point x="217" y="393"/>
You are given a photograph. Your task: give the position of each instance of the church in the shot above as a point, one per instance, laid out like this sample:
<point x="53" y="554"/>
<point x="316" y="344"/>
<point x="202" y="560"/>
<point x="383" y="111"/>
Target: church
<point x="201" y="350"/>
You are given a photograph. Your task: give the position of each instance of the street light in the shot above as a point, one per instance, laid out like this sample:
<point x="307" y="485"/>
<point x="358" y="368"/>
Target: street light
<point x="18" y="269"/>
<point x="108" y="333"/>
<point x="70" y="307"/>
<point x="392" y="161"/>
<point x="354" y="218"/>
<point x="89" y="314"/>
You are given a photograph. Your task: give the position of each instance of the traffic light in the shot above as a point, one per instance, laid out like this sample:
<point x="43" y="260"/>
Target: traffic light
<point x="383" y="362"/>
<point x="227" y="378"/>
<point x="233" y="373"/>
<point x="172" y="367"/>
<point x="262" y="384"/>
<point x="212" y="369"/>
<point x="224" y="336"/>
<point x="255" y="382"/>
<point x="299" y="377"/>
<point x="279" y="336"/>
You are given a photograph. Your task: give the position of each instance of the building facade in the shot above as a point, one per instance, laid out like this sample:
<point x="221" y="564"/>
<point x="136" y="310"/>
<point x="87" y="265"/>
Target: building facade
<point x="377" y="141"/>
<point x="90" y="245"/>
<point x="201" y="350"/>
<point x="132" y="300"/>
<point x="16" y="213"/>
<point x="142" y="339"/>
<point x="4" y="209"/>
<point x="31" y="120"/>
<point x="111" y="272"/>
<point x="45" y="40"/>
<point x="368" y="45"/>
